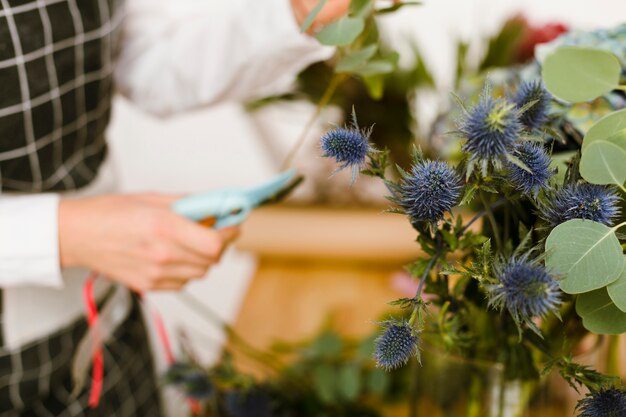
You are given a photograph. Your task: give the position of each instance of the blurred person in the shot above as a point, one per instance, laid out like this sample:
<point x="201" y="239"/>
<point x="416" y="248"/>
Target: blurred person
<point x="60" y="63"/>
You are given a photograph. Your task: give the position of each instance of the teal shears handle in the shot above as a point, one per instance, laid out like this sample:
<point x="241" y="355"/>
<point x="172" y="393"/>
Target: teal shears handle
<point x="231" y="206"/>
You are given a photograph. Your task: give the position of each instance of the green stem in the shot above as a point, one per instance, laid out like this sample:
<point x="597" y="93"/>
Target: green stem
<point x="414" y="388"/>
<point x="474" y="403"/>
<point x="492" y="221"/>
<point x="612" y="356"/>
<point x="328" y="94"/>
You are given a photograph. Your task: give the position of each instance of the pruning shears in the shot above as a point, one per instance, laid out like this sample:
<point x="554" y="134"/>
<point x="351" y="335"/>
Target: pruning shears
<point x="231" y="206"/>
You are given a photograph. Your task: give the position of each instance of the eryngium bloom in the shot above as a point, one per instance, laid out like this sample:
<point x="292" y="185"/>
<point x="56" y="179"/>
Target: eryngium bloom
<point x="525" y="289"/>
<point x="395" y="346"/>
<point x="348" y="145"/>
<point x="536" y="115"/>
<point x="429" y="190"/>
<point x="537" y="160"/>
<point x="603" y="403"/>
<point x="490" y="127"/>
<point x="581" y="201"/>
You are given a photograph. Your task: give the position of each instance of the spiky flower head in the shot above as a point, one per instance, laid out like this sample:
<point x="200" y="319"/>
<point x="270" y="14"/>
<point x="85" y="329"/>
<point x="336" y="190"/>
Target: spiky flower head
<point x="525" y="288"/>
<point x="396" y="345"/>
<point x="490" y="127"/>
<point x="581" y="201"/>
<point x="430" y="189"/>
<point x="534" y="100"/>
<point x="348" y="146"/>
<point x="537" y="160"/>
<point x="603" y="403"/>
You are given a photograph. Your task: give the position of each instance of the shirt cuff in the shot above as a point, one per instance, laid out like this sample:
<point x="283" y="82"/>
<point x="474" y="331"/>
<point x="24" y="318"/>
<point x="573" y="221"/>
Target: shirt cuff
<point x="29" y="244"/>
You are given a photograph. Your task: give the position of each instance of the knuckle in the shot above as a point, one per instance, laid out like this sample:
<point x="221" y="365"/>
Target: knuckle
<point x="159" y="224"/>
<point x="163" y="256"/>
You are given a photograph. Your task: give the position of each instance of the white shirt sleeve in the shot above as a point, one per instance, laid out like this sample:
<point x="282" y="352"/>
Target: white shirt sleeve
<point x="181" y="54"/>
<point x="29" y="244"/>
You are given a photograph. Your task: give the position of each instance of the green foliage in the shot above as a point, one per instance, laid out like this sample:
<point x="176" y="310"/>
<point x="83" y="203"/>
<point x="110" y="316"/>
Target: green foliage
<point x="353" y="61"/>
<point x="308" y="21"/>
<point x="610" y="128"/>
<point x="577" y="375"/>
<point x="342" y="32"/>
<point x="603" y="162"/>
<point x="617" y="291"/>
<point x="578" y="74"/>
<point x="599" y="313"/>
<point x="587" y="255"/>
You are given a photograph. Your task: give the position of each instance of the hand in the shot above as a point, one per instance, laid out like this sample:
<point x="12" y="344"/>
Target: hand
<point x="138" y="240"/>
<point x="333" y="10"/>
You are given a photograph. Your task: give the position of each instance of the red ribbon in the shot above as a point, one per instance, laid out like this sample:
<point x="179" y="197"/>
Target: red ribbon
<point x="97" y="374"/>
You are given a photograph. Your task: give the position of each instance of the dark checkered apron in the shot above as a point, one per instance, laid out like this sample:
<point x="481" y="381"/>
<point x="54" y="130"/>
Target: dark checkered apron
<point x="56" y="61"/>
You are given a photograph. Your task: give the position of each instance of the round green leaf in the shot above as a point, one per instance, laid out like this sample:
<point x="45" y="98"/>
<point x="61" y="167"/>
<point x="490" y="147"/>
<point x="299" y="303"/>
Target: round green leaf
<point x="342" y="32"/>
<point x="599" y="314"/>
<point x="580" y="74"/>
<point x="355" y="60"/>
<point x="617" y="291"/>
<point x="611" y="128"/>
<point x="585" y="255"/>
<point x="603" y="163"/>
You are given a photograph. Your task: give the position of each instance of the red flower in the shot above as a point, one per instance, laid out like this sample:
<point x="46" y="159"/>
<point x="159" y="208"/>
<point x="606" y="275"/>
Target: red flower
<point x="535" y="35"/>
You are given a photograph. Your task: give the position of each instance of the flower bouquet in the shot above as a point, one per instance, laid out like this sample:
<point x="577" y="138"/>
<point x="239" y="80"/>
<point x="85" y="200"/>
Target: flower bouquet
<point x="547" y="267"/>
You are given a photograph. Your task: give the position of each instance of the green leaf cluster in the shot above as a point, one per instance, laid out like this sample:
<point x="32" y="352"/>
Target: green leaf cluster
<point x="588" y="255"/>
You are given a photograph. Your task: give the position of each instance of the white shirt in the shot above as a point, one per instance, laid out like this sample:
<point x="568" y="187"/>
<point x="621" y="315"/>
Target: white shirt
<point x="176" y="55"/>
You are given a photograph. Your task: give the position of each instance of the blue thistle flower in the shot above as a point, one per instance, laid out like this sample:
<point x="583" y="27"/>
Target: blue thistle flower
<point x="581" y="201"/>
<point x="429" y="190"/>
<point x="490" y="127"/>
<point x="349" y="146"/>
<point x="537" y="160"/>
<point x="395" y="346"/>
<point x="536" y="115"/>
<point x="526" y="289"/>
<point x="603" y="403"/>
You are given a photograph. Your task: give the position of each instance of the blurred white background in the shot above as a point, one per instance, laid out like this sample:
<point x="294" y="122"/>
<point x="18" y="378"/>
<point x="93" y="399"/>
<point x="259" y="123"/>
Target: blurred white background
<point x="221" y="146"/>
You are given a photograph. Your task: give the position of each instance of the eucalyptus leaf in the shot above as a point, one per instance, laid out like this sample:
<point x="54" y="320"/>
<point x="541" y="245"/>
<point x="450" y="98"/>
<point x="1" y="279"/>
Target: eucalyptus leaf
<point x="603" y="162"/>
<point x="578" y="74"/>
<point x="308" y="21"/>
<point x="617" y="291"/>
<point x="376" y="67"/>
<point x="599" y="313"/>
<point x="584" y="254"/>
<point x="342" y="32"/>
<point x="360" y="8"/>
<point x="607" y="127"/>
<point x="355" y="60"/>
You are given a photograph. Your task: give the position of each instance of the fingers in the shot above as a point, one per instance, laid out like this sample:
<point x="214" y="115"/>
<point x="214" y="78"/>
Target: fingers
<point x="205" y="242"/>
<point x="159" y="199"/>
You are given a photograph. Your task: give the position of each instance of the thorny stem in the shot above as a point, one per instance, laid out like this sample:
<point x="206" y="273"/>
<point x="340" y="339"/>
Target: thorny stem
<point x="492" y="221"/>
<point x="328" y="94"/>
